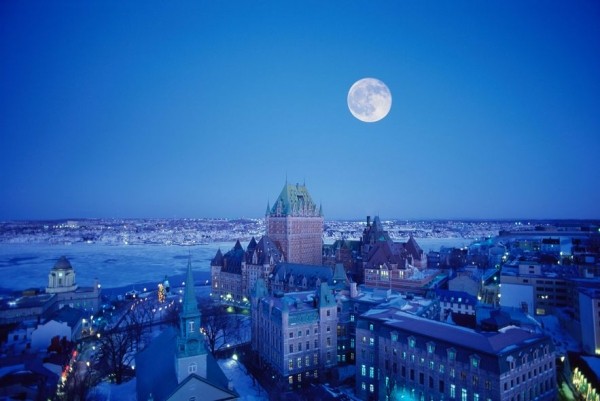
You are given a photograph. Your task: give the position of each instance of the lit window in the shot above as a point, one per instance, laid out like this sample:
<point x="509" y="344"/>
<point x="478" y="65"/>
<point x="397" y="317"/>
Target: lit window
<point x="363" y="370"/>
<point x="372" y="372"/>
<point x="192" y="368"/>
<point x="412" y="342"/>
<point x="452" y="391"/>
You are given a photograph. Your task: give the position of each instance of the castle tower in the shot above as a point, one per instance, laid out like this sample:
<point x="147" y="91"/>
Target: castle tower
<point x="191" y="351"/>
<point x="296" y="224"/>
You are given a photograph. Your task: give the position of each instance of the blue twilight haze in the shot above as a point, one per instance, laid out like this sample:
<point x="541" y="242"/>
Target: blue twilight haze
<point x="202" y="108"/>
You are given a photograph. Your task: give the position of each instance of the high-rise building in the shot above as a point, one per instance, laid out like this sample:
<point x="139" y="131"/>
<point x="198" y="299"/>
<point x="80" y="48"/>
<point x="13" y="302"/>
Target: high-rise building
<point x="296" y="224"/>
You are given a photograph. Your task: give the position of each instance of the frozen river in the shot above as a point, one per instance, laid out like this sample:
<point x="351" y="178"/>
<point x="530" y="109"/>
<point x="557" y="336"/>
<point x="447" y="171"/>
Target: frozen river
<point x="27" y="265"/>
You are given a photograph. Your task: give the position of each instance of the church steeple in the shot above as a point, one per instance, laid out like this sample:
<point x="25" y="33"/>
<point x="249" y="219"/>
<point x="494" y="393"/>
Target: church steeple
<point x="190" y="304"/>
<point x="191" y="350"/>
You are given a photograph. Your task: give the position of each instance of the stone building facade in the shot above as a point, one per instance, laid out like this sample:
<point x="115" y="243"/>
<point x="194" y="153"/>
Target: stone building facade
<point x="234" y="274"/>
<point x="294" y="335"/>
<point x="295" y="223"/>
<point x="399" y="354"/>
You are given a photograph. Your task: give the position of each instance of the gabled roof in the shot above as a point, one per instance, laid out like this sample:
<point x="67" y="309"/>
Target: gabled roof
<point x="156" y="374"/>
<point x="201" y="389"/>
<point x="385" y="252"/>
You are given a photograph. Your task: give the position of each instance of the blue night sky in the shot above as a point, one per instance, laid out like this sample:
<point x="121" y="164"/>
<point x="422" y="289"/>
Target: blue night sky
<point x="201" y="109"/>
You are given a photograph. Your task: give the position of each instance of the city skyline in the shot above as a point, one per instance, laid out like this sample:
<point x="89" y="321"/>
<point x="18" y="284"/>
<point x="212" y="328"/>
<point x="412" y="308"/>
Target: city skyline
<point x="206" y="109"/>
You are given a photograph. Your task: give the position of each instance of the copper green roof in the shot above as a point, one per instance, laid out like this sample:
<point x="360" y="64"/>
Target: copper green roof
<point x="294" y="200"/>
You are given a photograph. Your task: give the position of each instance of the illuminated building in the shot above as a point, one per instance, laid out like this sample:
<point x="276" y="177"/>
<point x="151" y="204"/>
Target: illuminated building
<point x="402" y="354"/>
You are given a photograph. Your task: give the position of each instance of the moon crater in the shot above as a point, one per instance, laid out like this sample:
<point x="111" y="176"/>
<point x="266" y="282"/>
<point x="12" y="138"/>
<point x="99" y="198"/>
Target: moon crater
<point x="369" y="100"/>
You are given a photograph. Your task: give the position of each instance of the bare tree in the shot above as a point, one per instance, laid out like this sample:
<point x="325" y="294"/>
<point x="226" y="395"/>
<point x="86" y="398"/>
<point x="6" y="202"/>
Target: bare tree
<point x="217" y="325"/>
<point x="81" y="380"/>
<point x="116" y="352"/>
<point x="138" y="320"/>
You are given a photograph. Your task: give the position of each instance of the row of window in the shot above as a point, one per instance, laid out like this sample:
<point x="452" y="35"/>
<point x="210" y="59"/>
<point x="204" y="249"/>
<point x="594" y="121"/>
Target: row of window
<point x="306" y="361"/>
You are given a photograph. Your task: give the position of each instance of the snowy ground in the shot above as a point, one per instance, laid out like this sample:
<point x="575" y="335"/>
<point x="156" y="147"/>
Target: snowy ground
<point x="243" y="383"/>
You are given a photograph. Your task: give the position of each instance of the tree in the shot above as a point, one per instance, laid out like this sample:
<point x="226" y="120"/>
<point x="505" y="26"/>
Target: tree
<point x="219" y="326"/>
<point x="138" y="320"/>
<point x="116" y="352"/>
<point x="81" y="380"/>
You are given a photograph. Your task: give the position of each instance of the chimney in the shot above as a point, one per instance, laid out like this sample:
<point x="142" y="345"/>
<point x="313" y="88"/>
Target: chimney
<point x="353" y="290"/>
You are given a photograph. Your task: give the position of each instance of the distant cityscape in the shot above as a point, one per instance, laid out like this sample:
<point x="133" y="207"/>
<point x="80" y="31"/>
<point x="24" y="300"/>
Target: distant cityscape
<point x="202" y="231"/>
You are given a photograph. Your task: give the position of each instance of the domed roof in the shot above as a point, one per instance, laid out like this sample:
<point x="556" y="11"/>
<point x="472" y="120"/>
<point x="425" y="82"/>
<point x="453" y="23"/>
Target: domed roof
<point x="62" y="264"/>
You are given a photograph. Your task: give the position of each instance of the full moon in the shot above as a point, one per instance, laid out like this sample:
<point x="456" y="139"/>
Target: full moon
<point x="369" y="100"/>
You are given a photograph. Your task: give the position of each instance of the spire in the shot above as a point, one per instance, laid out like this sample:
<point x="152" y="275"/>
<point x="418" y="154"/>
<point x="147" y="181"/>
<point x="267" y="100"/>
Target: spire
<point x="268" y="209"/>
<point x="190" y="304"/>
<point x="320" y="209"/>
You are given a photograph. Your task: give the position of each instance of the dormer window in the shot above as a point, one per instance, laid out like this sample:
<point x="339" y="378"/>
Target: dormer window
<point x="430" y="347"/>
<point x="412" y="342"/>
<point x="451" y="354"/>
<point x="475" y="360"/>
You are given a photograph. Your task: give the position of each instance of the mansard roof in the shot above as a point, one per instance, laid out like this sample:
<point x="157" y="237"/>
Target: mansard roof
<point x="294" y="200"/>
<point x="297" y="272"/>
<point x="506" y="342"/>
